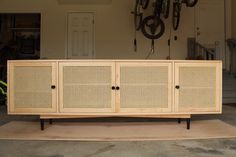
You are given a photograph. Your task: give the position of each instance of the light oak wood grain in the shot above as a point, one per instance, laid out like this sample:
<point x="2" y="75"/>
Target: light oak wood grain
<point x="172" y="111"/>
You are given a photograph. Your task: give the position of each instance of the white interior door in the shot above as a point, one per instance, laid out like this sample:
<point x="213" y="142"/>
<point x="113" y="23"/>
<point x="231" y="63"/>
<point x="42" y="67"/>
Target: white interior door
<point x="80" y="36"/>
<point x="210" y="26"/>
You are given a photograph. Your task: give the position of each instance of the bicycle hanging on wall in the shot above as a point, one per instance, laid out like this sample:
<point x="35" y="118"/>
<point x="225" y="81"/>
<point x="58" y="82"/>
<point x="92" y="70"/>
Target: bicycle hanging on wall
<point x="140" y="5"/>
<point x="152" y="26"/>
<point x="177" y="6"/>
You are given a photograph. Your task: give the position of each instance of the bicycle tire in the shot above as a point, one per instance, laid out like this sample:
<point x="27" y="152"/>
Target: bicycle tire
<point x="191" y="3"/>
<point x="145" y="3"/>
<point x="166" y="8"/>
<point x="176" y="15"/>
<point x="153" y="35"/>
<point x="138" y="17"/>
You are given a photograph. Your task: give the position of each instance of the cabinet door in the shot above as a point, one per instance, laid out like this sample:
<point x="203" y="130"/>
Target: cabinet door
<point x="30" y="87"/>
<point x="87" y="87"/>
<point x="198" y="87"/>
<point x="144" y="87"/>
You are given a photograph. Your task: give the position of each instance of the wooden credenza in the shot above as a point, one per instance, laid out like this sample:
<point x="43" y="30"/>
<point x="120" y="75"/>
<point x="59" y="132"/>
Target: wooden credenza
<point x="114" y="88"/>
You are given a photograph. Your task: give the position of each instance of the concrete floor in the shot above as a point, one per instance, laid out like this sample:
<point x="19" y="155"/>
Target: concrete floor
<point x="181" y="148"/>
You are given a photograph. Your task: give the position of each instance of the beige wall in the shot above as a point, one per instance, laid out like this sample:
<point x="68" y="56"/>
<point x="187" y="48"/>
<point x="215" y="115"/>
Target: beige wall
<point x="114" y="31"/>
<point x="233" y="18"/>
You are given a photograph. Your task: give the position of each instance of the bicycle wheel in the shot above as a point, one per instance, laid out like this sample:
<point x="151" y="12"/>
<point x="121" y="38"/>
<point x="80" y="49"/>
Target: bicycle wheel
<point x="152" y="27"/>
<point x="138" y="15"/>
<point x="166" y="8"/>
<point x="191" y="3"/>
<point x="144" y="3"/>
<point x="176" y="15"/>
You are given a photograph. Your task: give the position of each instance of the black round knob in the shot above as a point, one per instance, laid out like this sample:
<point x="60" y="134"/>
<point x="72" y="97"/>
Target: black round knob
<point x="117" y="88"/>
<point x="113" y="87"/>
<point x="177" y="87"/>
<point x="53" y="86"/>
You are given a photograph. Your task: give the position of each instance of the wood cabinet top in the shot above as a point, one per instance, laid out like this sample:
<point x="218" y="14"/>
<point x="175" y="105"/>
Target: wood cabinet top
<point x="98" y="60"/>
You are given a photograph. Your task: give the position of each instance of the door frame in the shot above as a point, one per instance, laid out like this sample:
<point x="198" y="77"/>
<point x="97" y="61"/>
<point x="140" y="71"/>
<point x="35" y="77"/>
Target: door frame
<point x="67" y="32"/>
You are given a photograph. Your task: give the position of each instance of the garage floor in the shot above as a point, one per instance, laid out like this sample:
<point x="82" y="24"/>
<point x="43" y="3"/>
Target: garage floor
<point x="184" y="148"/>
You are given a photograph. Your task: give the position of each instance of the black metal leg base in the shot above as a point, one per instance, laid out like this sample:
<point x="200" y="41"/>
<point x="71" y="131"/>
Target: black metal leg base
<point x="42" y="124"/>
<point x="50" y="121"/>
<point x="179" y="120"/>
<point x="188" y="123"/>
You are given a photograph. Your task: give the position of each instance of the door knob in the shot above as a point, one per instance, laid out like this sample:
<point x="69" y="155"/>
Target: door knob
<point x="53" y="86"/>
<point x="177" y="87"/>
<point x="117" y="88"/>
<point x="113" y="87"/>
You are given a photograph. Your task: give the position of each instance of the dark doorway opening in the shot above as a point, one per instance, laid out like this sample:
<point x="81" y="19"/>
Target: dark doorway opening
<point x="19" y="38"/>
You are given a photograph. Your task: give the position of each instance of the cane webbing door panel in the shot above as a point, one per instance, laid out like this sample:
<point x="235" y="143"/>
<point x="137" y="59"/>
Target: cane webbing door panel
<point x="198" y="87"/>
<point x="30" y="87"/>
<point x="87" y="87"/>
<point x="144" y="87"/>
